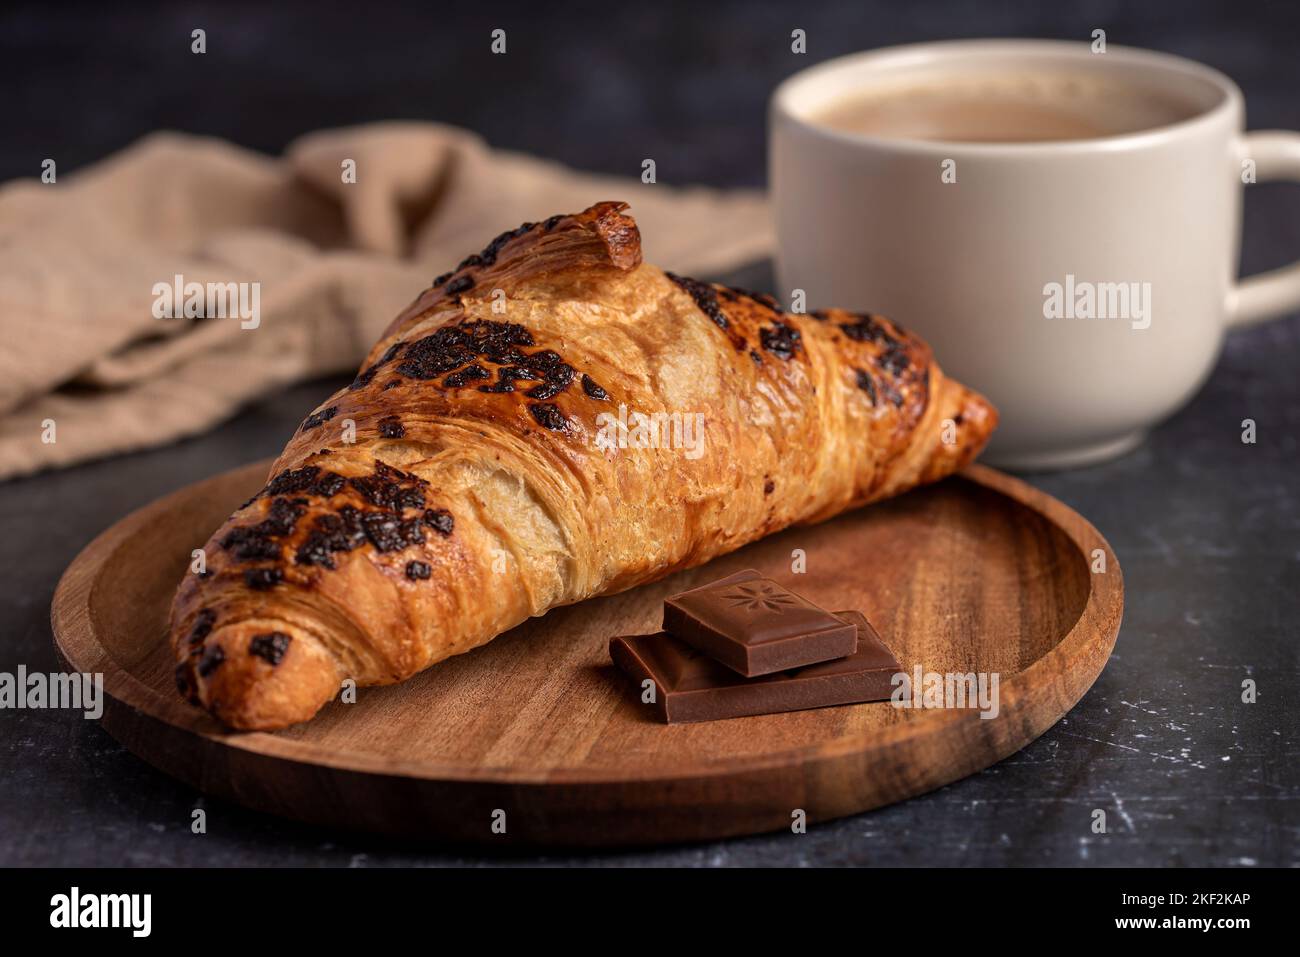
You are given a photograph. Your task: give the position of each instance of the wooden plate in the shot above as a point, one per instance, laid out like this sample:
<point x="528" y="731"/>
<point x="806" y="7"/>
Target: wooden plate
<point x="980" y="573"/>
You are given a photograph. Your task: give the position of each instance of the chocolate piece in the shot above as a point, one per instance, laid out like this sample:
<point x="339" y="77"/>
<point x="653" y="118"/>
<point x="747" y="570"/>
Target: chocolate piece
<point x="755" y="626"/>
<point x="690" y="686"/>
<point x="261" y="579"/>
<point x="203" y="623"/>
<point x="548" y="415"/>
<point x="270" y="647"/>
<point x="459" y="284"/>
<point x="317" y="419"/>
<point x="440" y="520"/>
<point x="212" y="658"/>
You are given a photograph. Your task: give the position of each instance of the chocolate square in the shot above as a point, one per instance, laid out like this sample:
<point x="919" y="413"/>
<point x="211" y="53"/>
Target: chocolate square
<point x="691" y="686"/>
<point x="755" y="626"/>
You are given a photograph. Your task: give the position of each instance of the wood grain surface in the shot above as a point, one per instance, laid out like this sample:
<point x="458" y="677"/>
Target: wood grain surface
<point x="981" y="573"/>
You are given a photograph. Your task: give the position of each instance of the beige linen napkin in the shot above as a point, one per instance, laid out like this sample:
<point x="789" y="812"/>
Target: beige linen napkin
<point x="87" y="370"/>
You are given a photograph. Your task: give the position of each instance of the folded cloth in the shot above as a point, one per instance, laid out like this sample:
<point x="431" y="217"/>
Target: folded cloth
<point x="326" y="245"/>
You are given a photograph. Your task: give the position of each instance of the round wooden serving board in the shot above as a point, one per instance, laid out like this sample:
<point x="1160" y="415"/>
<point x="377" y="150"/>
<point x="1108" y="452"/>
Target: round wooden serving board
<point x="980" y="573"/>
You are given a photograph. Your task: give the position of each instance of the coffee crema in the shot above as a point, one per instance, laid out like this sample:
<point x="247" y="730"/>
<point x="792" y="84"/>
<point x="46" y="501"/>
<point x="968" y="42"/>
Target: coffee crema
<point x="1003" y="108"/>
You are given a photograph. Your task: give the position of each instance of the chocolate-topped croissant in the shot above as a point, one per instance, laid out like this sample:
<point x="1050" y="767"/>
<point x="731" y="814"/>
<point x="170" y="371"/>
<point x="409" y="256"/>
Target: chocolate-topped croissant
<point x="551" y="421"/>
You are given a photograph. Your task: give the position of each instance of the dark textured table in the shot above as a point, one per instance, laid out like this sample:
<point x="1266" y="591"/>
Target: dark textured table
<point x="1207" y="528"/>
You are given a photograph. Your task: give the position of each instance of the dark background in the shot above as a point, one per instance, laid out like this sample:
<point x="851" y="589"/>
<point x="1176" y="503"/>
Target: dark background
<point x="1207" y="529"/>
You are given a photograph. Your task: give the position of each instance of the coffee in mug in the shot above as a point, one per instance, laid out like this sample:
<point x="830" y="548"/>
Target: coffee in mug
<point x="1062" y="226"/>
<point x="1001" y="107"/>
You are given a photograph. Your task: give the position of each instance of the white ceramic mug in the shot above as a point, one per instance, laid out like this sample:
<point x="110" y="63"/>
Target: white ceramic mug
<point x="873" y="224"/>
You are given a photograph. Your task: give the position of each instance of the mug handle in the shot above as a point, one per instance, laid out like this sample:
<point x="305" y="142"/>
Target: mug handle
<point x="1277" y="292"/>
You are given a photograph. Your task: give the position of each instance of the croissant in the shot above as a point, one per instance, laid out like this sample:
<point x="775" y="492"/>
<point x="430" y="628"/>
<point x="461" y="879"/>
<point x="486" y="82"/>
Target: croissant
<point x="552" y="420"/>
